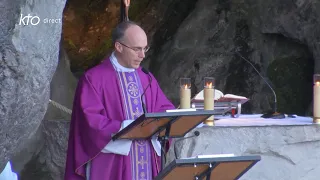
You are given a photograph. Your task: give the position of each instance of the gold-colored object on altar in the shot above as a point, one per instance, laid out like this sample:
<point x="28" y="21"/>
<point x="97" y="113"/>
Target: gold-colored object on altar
<point x="208" y="96"/>
<point x="316" y="98"/>
<point x="185" y="93"/>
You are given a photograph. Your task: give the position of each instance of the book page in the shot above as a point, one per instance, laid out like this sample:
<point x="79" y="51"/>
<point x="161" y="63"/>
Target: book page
<point x="199" y="97"/>
<point x="180" y="110"/>
<point x="234" y="96"/>
<point x="210" y="156"/>
<point x="215" y="155"/>
<point x="219" y="97"/>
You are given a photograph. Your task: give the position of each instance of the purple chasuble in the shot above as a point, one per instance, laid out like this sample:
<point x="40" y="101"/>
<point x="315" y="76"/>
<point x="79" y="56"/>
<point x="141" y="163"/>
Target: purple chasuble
<point x="98" y="112"/>
<point x="140" y="152"/>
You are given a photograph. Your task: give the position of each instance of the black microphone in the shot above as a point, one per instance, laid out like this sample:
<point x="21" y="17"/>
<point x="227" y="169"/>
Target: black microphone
<point x="274" y="114"/>
<point x="144" y="91"/>
<point x="195" y="134"/>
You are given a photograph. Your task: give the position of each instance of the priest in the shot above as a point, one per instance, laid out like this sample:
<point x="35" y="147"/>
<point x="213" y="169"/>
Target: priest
<point x="107" y="99"/>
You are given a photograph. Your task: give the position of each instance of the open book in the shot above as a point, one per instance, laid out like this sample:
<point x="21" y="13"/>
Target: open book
<point x="220" y="97"/>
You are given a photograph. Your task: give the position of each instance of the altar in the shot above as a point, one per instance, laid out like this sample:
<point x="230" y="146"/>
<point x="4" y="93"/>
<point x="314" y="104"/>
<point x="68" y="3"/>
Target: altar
<point x="289" y="147"/>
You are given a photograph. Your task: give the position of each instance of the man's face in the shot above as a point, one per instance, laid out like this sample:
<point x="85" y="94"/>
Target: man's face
<point x="132" y="47"/>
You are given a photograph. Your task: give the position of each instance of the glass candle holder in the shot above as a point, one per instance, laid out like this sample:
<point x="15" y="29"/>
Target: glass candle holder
<point x="316" y="98"/>
<point x="185" y="93"/>
<point x="208" y="95"/>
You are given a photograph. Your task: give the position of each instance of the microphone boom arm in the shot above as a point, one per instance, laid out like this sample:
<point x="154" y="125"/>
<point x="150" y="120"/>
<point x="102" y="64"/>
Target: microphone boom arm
<point x="195" y="134"/>
<point x="275" y="96"/>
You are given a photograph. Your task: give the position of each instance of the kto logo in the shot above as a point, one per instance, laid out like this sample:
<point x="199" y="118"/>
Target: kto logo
<point x="26" y="20"/>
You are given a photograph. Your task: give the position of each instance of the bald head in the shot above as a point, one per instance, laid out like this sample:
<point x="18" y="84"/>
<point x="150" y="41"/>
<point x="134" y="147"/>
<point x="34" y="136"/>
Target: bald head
<point x="130" y="44"/>
<point x="126" y="29"/>
<point x="134" y="36"/>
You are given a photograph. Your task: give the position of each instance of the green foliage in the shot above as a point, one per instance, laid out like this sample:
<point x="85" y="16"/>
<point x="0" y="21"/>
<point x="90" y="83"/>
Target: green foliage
<point x="71" y="44"/>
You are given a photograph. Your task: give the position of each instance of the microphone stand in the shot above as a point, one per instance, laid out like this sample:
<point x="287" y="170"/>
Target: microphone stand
<point x="162" y="139"/>
<point x="145" y="90"/>
<point x="274" y="114"/>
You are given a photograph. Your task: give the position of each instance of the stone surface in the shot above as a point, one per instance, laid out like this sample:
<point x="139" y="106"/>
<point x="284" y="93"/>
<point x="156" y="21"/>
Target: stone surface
<point x="49" y="163"/>
<point x="62" y="89"/>
<point x="264" y="32"/>
<point x="297" y="20"/>
<point x="287" y="152"/>
<point x="29" y="57"/>
<point x="23" y="156"/>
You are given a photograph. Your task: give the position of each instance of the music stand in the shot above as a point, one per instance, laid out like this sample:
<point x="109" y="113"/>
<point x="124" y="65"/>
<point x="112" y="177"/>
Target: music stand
<point x="219" y="168"/>
<point x="167" y="124"/>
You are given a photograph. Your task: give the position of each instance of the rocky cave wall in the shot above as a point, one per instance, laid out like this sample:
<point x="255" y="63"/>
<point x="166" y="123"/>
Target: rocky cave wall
<point x="191" y="38"/>
<point x="272" y="35"/>
<point x="198" y="38"/>
<point x="28" y="60"/>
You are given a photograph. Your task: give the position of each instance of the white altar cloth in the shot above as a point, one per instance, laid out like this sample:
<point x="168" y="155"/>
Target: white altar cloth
<point x="256" y="120"/>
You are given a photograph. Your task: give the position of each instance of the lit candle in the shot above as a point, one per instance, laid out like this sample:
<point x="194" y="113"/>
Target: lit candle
<point x="316" y="98"/>
<point x="185" y="93"/>
<point x="208" y="96"/>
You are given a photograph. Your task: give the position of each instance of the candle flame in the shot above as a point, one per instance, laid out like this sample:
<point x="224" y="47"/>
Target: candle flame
<point x="318" y="83"/>
<point x="186" y="86"/>
<point x="209" y="85"/>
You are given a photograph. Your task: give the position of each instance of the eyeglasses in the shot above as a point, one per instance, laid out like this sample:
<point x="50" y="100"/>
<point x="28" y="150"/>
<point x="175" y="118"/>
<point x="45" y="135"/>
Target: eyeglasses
<point x="137" y="49"/>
